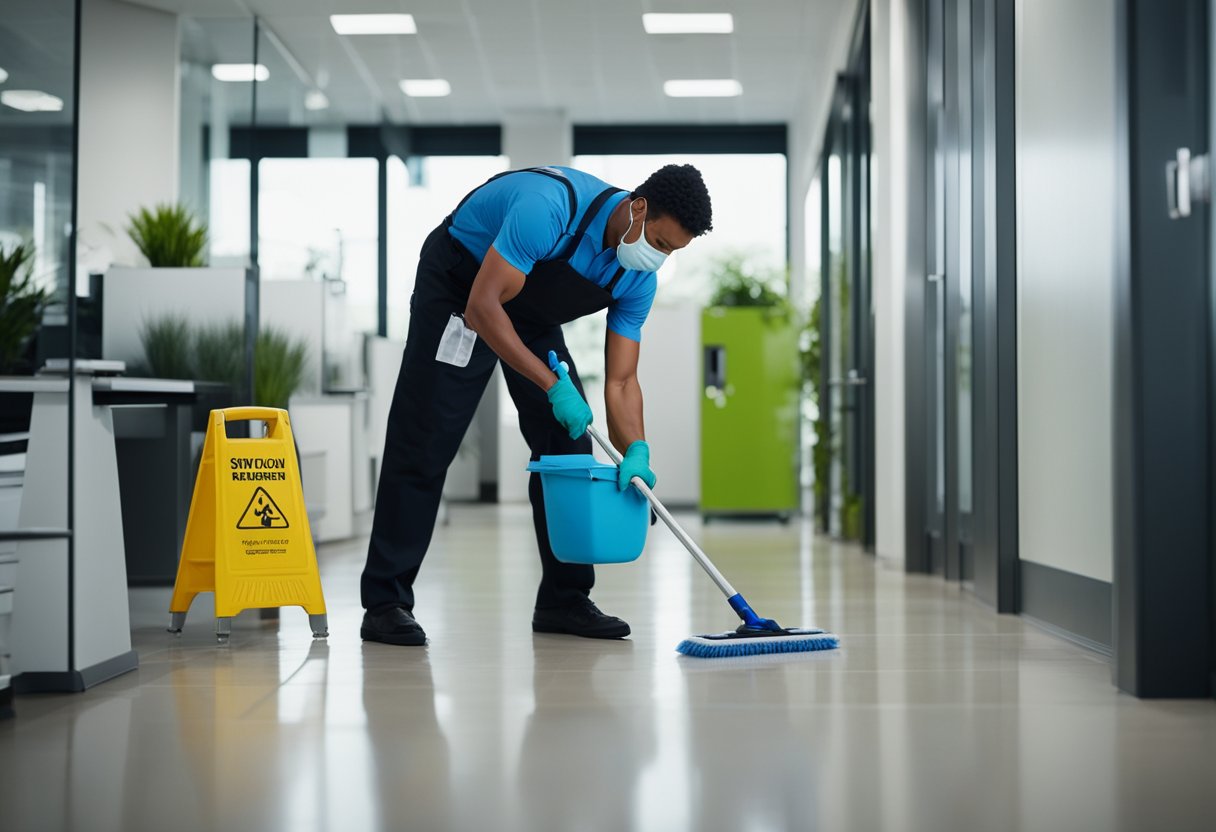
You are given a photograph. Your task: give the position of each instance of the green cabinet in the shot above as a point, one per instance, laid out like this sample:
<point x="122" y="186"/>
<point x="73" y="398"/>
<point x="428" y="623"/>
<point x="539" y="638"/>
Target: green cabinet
<point x="749" y="411"/>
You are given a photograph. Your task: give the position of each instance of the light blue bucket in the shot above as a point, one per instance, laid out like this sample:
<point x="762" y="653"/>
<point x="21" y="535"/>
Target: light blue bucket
<point x="590" y="520"/>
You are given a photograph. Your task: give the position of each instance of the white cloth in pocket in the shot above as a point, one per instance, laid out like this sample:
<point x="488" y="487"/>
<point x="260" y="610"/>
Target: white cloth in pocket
<point x="456" y="345"/>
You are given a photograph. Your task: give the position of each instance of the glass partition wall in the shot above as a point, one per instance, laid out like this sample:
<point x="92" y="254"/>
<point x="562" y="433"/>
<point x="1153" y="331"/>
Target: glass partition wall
<point x="293" y="191"/>
<point x="37" y="169"/>
<point x="39" y="414"/>
<point x="217" y="109"/>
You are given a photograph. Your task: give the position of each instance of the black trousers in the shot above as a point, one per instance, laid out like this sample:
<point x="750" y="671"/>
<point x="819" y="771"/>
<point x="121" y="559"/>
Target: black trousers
<point x="432" y="407"/>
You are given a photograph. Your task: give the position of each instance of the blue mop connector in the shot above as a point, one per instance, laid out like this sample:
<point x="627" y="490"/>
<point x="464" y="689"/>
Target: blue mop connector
<point x="750" y="620"/>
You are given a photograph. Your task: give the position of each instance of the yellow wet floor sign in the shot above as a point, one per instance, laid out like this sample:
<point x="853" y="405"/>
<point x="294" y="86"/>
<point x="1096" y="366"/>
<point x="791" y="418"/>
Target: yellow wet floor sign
<point x="247" y="536"/>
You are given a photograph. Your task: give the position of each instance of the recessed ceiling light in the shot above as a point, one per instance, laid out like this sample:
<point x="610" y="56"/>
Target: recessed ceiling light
<point x="703" y="88"/>
<point x="426" y="87"/>
<point x="688" y="24"/>
<point x="3" y="75"/>
<point x="239" y="72"/>
<point x="31" y="101"/>
<point x="316" y="100"/>
<point x="373" y="24"/>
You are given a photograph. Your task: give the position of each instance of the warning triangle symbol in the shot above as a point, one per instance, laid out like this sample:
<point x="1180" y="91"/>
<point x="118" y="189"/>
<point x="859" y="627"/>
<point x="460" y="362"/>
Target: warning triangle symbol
<point x="262" y="513"/>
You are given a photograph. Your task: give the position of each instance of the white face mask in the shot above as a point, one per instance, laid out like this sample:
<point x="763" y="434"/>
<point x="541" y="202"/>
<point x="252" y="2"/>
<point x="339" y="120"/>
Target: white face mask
<point x="639" y="255"/>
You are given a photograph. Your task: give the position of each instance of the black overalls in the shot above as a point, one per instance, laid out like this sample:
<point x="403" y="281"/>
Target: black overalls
<point x="434" y="403"/>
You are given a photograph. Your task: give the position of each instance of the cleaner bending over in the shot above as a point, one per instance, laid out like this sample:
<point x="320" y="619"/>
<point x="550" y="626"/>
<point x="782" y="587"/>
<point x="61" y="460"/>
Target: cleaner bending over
<point x="521" y="255"/>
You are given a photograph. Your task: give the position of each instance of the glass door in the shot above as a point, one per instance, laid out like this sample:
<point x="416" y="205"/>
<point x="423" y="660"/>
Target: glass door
<point x="846" y="318"/>
<point x="948" y="292"/>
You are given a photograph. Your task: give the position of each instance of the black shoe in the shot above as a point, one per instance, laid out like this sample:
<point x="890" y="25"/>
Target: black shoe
<point x="581" y="619"/>
<point x="392" y="625"/>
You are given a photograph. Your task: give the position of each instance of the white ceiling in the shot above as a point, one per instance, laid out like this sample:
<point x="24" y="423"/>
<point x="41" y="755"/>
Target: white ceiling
<point x="589" y="58"/>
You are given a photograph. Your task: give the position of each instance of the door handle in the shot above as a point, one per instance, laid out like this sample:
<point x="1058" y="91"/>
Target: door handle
<point x="1187" y="181"/>
<point x="715" y="367"/>
<point x="854" y="379"/>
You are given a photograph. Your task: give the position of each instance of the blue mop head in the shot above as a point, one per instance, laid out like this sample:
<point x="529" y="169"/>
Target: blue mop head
<point x="745" y="642"/>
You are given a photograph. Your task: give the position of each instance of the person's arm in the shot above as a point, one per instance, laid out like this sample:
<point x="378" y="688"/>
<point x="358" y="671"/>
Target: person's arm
<point x="496" y="283"/>
<point x="622" y="392"/>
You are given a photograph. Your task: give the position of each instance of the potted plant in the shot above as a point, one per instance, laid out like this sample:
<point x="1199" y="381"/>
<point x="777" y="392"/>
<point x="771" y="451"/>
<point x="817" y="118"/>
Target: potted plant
<point x="168" y="348"/>
<point x="175" y="348"/>
<point x="736" y="283"/>
<point x="175" y="281"/>
<point x="278" y="367"/>
<point x="21" y="305"/>
<point x="169" y="236"/>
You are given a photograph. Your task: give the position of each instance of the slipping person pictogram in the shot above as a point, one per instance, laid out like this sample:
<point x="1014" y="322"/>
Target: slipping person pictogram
<point x="262" y="513"/>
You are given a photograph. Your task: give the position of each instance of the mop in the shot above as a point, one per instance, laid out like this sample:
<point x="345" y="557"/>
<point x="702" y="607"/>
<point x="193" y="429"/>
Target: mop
<point x="756" y="635"/>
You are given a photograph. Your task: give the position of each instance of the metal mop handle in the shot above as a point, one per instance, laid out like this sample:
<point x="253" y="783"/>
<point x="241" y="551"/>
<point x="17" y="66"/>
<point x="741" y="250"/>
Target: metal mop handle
<point x="659" y="509"/>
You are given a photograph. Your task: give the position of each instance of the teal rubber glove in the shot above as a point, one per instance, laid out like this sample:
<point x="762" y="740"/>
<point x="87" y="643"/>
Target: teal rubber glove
<point x="569" y="408"/>
<point x="636" y="464"/>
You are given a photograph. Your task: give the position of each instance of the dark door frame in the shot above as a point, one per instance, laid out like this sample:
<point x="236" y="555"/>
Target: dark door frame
<point x="1163" y="590"/>
<point x="916" y="297"/>
<point x="994" y="522"/>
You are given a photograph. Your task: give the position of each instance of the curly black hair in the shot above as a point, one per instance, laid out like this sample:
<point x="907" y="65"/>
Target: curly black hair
<point x="678" y="191"/>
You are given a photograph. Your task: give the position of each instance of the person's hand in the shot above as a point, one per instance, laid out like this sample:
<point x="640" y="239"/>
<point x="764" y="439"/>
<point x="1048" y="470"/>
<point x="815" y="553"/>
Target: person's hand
<point x="569" y="408"/>
<point x="636" y="464"/>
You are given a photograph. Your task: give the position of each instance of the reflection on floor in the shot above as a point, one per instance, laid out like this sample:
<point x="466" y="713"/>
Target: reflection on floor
<point x="936" y="714"/>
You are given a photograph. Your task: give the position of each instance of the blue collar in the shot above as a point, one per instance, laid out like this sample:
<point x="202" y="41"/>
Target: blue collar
<point x="595" y="231"/>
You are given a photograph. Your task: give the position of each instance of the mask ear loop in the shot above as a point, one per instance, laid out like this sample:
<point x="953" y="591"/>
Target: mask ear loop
<point x="627" y="230"/>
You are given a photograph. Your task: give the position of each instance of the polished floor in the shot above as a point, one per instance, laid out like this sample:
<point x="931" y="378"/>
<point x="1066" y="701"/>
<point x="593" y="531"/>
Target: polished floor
<point x="936" y="714"/>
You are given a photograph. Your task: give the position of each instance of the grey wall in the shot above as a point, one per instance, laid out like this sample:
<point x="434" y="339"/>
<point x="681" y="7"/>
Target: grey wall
<point x="128" y="120"/>
<point x="1065" y="120"/>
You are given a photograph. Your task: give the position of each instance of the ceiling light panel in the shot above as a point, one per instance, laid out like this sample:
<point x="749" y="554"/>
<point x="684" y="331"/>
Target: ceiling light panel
<point x="373" y="24"/>
<point x="31" y="101"/>
<point x="703" y="88"/>
<point x="236" y="73"/>
<point x="657" y="23"/>
<point x="426" y="87"/>
<point x="3" y="75"/>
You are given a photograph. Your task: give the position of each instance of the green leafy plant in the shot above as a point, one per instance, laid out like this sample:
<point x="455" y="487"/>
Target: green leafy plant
<point x="851" y="511"/>
<point x="736" y="282"/>
<point x="216" y="352"/>
<point x="169" y="236"/>
<point x="851" y="517"/>
<point x="21" y="304"/>
<point x="219" y="353"/>
<point x="168" y="347"/>
<point x="278" y="367"/>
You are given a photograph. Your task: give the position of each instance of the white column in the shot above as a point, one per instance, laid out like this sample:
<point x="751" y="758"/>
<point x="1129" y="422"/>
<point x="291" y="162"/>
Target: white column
<point x="529" y="138"/>
<point x="891" y="107"/>
<point x="129" y="120"/>
<point x="532" y="138"/>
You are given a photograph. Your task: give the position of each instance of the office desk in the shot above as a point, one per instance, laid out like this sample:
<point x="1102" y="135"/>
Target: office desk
<point x="152" y="422"/>
<point x="71" y="628"/>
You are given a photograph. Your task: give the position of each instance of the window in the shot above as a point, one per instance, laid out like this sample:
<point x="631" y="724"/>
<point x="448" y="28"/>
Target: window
<point x="421" y="192"/>
<point x="737" y="183"/>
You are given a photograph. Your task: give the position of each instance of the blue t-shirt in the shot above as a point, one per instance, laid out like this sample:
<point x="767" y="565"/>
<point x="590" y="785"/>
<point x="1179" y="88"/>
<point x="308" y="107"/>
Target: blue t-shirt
<point x="526" y="217"/>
